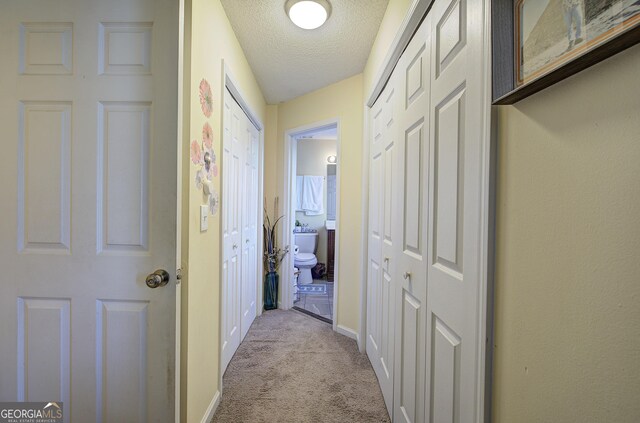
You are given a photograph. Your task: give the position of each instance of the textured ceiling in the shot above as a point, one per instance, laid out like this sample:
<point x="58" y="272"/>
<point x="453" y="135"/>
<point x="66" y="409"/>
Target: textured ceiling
<point x="289" y="61"/>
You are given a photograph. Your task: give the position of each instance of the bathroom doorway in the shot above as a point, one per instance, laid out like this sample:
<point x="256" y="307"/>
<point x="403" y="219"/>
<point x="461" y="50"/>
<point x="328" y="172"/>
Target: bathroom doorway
<point x="312" y="224"/>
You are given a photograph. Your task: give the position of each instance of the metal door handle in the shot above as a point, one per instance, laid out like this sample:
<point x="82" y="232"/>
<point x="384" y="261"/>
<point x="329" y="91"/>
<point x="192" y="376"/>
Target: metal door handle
<point x="235" y="246"/>
<point x="386" y="259"/>
<point x="158" y="278"/>
<point x="247" y="241"/>
<point x="407" y="275"/>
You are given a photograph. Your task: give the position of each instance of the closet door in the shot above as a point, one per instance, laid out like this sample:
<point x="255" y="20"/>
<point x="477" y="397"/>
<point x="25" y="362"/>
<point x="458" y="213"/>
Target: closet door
<point x="249" y="214"/>
<point x="234" y="140"/>
<point x="411" y="224"/>
<point x="455" y="326"/>
<point x="381" y="291"/>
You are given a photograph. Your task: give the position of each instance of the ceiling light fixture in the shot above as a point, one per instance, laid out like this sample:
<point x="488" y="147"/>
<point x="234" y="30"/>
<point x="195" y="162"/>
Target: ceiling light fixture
<point x="308" y="14"/>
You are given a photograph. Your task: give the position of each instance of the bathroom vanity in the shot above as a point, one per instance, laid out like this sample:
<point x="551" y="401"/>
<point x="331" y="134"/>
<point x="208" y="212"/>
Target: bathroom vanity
<point x="331" y="249"/>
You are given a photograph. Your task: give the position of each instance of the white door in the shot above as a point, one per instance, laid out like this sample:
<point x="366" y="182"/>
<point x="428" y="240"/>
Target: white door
<point x="88" y="113"/>
<point x="249" y="214"/>
<point x="381" y="289"/>
<point x="411" y="223"/>
<point x="457" y="179"/>
<point x="234" y="141"/>
<point x="240" y="175"/>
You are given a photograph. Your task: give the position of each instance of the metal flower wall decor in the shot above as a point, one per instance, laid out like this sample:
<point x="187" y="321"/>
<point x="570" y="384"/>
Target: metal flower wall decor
<point x="202" y="154"/>
<point x="206" y="98"/>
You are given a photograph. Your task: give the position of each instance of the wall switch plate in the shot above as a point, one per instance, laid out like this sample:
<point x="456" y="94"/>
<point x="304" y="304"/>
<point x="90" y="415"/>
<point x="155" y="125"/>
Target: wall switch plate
<point x="204" y="218"/>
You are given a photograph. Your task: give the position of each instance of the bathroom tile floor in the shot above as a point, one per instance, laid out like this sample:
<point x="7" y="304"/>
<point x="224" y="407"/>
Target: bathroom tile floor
<point x="320" y="304"/>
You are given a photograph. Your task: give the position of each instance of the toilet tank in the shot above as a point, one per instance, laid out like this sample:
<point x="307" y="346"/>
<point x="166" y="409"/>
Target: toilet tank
<point x="307" y="242"/>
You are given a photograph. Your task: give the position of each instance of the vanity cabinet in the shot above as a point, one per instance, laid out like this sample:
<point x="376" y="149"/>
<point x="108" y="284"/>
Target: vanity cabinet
<point x="331" y="249"/>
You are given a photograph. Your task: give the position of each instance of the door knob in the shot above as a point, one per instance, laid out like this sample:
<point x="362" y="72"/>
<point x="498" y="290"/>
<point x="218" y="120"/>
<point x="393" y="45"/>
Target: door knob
<point x="386" y="259"/>
<point x="407" y="275"/>
<point x="235" y="246"/>
<point x="158" y="278"/>
<point x="247" y="240"/>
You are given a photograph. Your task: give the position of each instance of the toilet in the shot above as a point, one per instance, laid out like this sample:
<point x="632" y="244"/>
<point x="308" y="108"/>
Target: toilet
<point x="305" y="255"/>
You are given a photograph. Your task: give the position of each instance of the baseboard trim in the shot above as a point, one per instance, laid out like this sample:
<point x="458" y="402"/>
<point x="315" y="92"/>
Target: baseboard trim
<point x="348" y="332"/>
<point x="211" y="410"/>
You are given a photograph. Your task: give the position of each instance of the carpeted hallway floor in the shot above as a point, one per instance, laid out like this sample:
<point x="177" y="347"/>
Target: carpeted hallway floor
<point x="293" y="368"/>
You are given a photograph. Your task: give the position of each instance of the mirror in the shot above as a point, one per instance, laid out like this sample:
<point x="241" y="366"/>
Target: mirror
<point x="331" y="191"/>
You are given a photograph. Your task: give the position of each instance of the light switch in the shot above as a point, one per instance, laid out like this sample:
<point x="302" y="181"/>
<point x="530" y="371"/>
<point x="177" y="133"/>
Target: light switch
<point x="204" y="218"/>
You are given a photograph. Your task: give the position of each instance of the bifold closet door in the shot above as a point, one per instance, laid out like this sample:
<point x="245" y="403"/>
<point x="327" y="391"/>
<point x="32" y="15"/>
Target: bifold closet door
<point x="240" y="202"/>
<point x="457" y="175"/>
<point x="381" y="289"/>
<point x="249" y="214"/>
<point x="411" y="223"/>
<point x="234" y="142"/>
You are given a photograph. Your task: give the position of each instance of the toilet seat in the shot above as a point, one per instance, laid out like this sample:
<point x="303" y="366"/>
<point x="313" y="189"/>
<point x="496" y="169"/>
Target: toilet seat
<point x="304" y="257"/>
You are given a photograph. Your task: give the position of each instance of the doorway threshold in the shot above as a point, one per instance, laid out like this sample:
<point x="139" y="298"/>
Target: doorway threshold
<point x="309" y="313"/>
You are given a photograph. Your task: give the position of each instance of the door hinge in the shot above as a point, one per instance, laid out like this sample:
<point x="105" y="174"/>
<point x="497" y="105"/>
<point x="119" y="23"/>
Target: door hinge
<point x="178" y="276"/>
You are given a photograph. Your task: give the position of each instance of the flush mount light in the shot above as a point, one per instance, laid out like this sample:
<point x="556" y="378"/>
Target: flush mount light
<point x="308" y="14"/>
<point x="332" y="159"/>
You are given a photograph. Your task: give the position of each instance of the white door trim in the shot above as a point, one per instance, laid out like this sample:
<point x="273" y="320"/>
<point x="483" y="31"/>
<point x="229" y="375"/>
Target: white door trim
<point x="364" y="236"/>
<point x="229" y="82"/>
<point x="488" y="214"/>
<point x="285" y="230"/>
<point x="180" y="128"/>
<point x="410" y="24"/>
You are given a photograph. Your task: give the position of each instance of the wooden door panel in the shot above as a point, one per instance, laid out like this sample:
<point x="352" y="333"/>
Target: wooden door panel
<point x="374" y="274"/>
<point x="46" y="48"/>
<point x="387" y="314"/>
<point x="408" y="376"/>
<point x="455" y="216"/>
<point x="233" y="271"/>
<point x="44" y="349"/>
<point x="411" y="253"/>
<point x="121" y="361"/>
<point x="449" y="183"/>
<point x="44" y="176"/>
<point x="249" y="224"/>
<point x="445" y="373"/>
<point x="87" y="103"/>
<point x="382" y="236"/>
<point x="450" y="34"/>
<point x="123" y="176"/>
<point x="413" y="167"/>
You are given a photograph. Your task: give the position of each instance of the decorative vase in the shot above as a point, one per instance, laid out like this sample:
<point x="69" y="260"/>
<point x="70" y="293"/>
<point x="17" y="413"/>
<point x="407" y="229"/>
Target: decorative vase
<point x="271" y="280"/>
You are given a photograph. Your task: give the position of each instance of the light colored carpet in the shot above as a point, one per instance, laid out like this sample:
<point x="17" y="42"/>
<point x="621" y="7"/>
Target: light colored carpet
<point x="293" y="368"/>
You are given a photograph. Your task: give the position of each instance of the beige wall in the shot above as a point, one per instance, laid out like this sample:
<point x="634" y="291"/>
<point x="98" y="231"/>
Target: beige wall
<point x="312" y="160"/>
<point x="270" y="153"/>
<point x="391" y="21"/>
<point x="342" y="100"/>
<point x="213" y="40"/>
<point x="567" y="304"/>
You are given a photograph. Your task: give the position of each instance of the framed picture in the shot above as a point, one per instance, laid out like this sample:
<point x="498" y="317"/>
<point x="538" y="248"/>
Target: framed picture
<point x="553" y="39"/>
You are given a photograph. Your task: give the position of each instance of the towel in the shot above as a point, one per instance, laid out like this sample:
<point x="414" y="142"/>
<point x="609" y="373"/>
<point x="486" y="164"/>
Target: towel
<point x="299" y="193"/>
<point x="312" y="193"/>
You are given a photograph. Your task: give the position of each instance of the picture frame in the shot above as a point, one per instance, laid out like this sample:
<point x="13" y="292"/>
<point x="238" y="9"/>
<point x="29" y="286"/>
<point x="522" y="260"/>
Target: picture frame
<point x="536" y="43"/>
